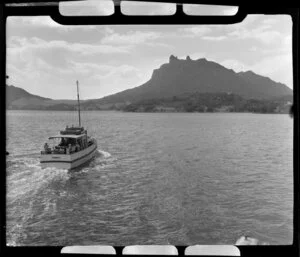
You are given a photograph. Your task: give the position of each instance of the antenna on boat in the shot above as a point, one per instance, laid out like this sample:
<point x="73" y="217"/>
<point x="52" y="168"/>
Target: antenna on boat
<point x="78" y="103"/>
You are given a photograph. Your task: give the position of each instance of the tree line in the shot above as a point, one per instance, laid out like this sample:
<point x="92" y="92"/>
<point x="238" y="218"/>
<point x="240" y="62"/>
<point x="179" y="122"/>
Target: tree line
<point x="209" y="102"/>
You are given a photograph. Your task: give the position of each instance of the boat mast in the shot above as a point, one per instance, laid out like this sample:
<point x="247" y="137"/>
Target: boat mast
<point x="78" y="104"/>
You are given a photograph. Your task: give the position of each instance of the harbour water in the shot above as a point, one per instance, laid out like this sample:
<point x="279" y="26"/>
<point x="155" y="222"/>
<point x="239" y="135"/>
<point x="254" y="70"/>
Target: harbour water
<point x="158" y="178"/>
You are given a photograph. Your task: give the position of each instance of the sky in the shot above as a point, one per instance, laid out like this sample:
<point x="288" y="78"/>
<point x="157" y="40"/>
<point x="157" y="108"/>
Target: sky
<point x="46" y="58"/>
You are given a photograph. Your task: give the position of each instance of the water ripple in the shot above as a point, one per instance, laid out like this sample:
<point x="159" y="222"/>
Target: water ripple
<point x="156" y="179"/>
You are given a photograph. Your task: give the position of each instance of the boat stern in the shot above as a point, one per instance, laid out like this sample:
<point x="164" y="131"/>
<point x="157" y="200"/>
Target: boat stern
<point x="59" y="161"/>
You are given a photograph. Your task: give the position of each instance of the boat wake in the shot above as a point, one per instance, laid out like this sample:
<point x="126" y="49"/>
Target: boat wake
<point x="21" y="159"/>
<point x="29" y="165"/>
<point x="26" y="178"/>
<point x="102" y="158"/>
<point x="25" y="169"/>
<point x="28" y="186"/>
<point x="103" y="154"/>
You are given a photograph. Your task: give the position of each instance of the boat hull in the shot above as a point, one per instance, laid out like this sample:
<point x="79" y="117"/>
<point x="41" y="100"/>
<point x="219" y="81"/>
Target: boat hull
<point x="68" y="161"/>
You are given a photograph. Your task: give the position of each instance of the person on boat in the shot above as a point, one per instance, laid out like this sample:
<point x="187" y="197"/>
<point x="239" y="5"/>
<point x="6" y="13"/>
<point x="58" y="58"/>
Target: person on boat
<point x="63" y="142"/>
<point x="46" y="148"/>
<point x="67" y="141"/>
<point x="77" y="147"/>
<point x="69" y="149"/>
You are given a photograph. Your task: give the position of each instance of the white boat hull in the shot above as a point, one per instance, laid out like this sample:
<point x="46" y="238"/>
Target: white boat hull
<point x="68" y="161"/>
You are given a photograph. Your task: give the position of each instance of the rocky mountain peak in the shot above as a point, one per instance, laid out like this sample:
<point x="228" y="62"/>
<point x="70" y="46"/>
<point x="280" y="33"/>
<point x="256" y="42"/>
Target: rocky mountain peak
<point x="173" y="59"/>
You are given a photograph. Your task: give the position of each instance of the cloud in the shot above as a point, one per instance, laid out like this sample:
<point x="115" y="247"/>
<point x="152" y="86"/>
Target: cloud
<point x="194" y="31"/>
<point x="235" y="65"/>
<point x="124" y="71"/>
<point x="45" y="67"/>
<point x="33" y="60"/>
<point x="267" y="37"/>
<point x="287" y="43"/>
<point x="193" y="55"/>
<point x="264" y="33"/>
<point x="89" y="68"/>
<point x="279" y="68"/>
<point x="16" y="75"/>
<point x="29" y="48"/>
<point x="214" y="38"/>
<point x="284" y="46"/>
<point x="98" y="80"/>
<point x="270" y="21"/>
<point x="117" y="78"/>
<point x="101" y="70"/>
<point x="130" y="38"/>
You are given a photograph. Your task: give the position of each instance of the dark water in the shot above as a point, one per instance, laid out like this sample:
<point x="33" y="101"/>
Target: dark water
<point x="158" y="178"/>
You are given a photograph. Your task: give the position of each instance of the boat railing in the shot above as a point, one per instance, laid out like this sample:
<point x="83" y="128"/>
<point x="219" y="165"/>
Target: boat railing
<point x="54" y="151"/>
<point x="65" y="149"/>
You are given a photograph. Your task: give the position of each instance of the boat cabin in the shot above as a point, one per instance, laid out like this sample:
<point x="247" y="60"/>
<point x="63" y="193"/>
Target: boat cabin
<point x="72" y="139"/>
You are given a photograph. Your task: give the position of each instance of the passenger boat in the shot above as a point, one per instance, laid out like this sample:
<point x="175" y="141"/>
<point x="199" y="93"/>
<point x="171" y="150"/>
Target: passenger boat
<point x="74" y="149"/>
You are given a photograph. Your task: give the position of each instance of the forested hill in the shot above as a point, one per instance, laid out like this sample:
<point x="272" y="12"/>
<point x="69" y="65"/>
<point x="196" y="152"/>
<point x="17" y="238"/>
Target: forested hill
<point x="180" y="76"/>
